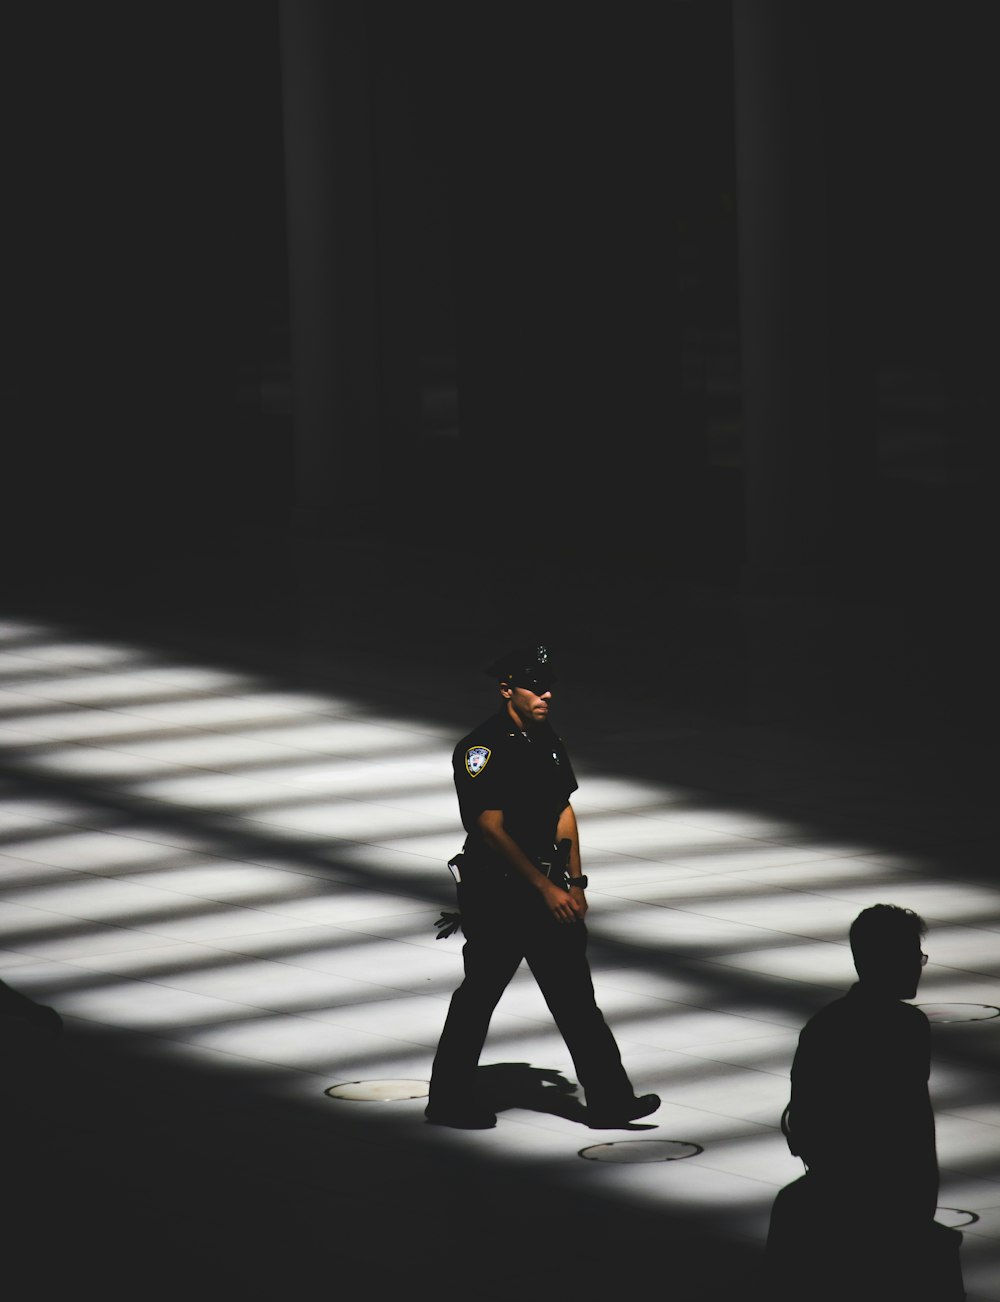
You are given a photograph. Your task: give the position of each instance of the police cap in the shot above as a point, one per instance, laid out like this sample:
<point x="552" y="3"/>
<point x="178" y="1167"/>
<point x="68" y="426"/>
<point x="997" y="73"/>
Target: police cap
<point x="525" y="666"/>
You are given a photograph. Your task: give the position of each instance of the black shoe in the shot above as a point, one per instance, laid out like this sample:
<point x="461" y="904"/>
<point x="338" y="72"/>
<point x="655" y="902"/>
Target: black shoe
<point x="467" y="1118"/>
<point x="621" y="1114"/>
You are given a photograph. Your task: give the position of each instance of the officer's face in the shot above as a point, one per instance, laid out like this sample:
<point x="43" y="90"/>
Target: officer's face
<point x="526" y="706"/>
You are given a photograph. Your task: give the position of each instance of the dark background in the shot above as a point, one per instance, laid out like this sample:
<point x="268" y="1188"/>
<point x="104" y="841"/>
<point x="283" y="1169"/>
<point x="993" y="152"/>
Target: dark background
<point x="572" y="317"/>
<point x="555" y="276"/>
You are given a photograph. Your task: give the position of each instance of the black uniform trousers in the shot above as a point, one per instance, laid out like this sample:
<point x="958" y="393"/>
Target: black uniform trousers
<point x="504" y="922"/>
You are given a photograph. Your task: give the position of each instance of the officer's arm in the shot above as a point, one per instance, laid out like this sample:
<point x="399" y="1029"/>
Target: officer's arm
<point x="491" y="825"/>
<point x="567" y="830"/>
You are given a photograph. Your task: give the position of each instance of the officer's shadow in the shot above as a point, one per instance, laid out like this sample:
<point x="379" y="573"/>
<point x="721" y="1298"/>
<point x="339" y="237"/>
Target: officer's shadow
<point x="504" y="1085"/>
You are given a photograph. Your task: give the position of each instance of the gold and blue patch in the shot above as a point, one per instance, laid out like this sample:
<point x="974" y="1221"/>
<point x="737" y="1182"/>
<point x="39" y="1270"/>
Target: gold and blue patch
<point x="476" y="759"/>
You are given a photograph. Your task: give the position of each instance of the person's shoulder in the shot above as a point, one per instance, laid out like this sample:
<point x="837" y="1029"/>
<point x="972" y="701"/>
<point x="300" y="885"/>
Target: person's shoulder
<point x="841" y="1006"/>
<point x="486" y="733"/>
<point x="914" y="1016"/>
<point x="890" y="1016"/>
<point x="828" y="1015"/>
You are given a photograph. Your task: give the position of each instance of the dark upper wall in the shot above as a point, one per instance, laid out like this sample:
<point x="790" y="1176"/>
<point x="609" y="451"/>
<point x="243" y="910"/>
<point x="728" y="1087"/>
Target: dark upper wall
<point x="577" y="213"/>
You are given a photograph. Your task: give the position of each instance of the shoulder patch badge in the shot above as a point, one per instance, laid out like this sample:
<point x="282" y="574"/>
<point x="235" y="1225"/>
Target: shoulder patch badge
<point x="476" y="759"/>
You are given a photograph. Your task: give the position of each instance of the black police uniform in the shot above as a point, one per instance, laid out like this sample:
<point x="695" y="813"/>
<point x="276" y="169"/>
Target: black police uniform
<point x="505" y="920"/>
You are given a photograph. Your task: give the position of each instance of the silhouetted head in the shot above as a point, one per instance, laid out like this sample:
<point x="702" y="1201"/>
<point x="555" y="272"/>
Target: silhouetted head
<point x="526" y="666"/>
<point x="886" y="944"/>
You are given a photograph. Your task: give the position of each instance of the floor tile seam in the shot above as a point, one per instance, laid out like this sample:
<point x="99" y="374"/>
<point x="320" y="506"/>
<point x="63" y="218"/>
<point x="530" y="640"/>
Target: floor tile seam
<point x="768" y="937"/>
<point x="977" y="1231"/>
<point x="691" y="859"/>
<point x="177" y="768"/>
<point x="291" y="922"/>
<point x="182" y="729"/>
<point x="724" y="1065"/>
<point x="36" y="671"/>
<point x="220" y="820"/>
<point x="224" y="824"/>
<point x="128" y="871"/>
<point x="762" y="892"/>
<point x="205" y="901"/>
<point x="304" y="792"/>
<point x="811" y="891"/>
<point x="41" y="834"/>
<point x="817" y="982"/>
<point x="157" y="1036"/>
<point x="734" y="841"/>
<point x="951" y="1111"/>
<point x="125" y="704"/>
<point x="242" y="684"/>
<point x="260" y="1014"/>
<point x="752" y="838"/>
<point x="808" y="889"/>
<point x="952" y="1174"/>
<point x="952" y="1177"/>
<point x="793" y="938"/>
<point x="29" y="956"/>
<point x="729" y="1173"/>
<point x="224" y="958"/>
<point x="155" y="729"/>
<point x="120" y="979"/>
<point x="233" y="958"/>
<point x="353" y="714"/>
<point x="345" y="934"/>
<point x="244" y="773"/>
<point x="939" y="969"/>
<point x="71" y="873"/>
<point x="358" y="806"/>
<point x="769" y="1027"/>
<point x="957" y="1176"/>
<point x="762" y="1129"/>
<point x="227" y="832"/>
<point x="813" y="861"/>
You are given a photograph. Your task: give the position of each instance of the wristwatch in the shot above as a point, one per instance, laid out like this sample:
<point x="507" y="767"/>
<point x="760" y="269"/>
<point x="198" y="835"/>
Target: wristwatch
<point x="580" y="881"/>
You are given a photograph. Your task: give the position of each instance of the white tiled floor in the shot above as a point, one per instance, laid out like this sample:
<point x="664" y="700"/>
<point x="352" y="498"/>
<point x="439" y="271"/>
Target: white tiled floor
<point x="228" y="888"/>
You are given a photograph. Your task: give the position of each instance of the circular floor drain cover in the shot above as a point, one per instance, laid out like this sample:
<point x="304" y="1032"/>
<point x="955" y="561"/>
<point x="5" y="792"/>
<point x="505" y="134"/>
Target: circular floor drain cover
<point x="954" y="1217"/>
<point x="959" y="1012"/>
<point x="641" y="1150"/>
<point x="378" y="1091"/>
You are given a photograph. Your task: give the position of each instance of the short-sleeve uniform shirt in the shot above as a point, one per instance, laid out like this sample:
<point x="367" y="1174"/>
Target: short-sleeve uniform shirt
<point x="527" y="776"/>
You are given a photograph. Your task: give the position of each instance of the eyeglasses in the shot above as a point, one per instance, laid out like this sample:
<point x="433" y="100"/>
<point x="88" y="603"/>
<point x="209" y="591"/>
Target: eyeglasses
<point x="923" y="959"/>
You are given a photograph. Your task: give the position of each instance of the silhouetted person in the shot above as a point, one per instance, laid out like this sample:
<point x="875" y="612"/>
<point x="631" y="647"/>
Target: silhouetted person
<point x="24" y="1011"/>
<point x="860" y="1223"/>
<point x="29" y="1033"/>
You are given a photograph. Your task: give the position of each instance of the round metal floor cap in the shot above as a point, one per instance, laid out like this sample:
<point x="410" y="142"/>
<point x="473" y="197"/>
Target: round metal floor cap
<point x="958" y="1012"/>
<point x="641" y="1150"/>
<point x="955" y="1217"/>
<point x="377" y="1091"/>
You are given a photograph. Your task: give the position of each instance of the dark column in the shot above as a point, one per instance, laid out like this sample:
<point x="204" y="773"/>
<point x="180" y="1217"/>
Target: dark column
<point x="807" y="369"/>
<point x="784" y="285"/>
<point x="567" y="306"/>
<point x="333" y="320"/>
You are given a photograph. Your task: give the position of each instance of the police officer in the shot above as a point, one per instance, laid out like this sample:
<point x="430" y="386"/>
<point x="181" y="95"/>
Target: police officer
<point x="521" y="896"/>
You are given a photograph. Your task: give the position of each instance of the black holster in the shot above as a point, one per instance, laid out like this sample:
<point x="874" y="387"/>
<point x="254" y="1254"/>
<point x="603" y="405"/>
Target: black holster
<point x="556" y="869"/>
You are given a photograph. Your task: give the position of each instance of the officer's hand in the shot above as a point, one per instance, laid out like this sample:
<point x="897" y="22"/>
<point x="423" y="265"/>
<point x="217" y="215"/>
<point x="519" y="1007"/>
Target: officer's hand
<point x="561" y="904"/>
<point x="579" y="896"/>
